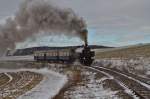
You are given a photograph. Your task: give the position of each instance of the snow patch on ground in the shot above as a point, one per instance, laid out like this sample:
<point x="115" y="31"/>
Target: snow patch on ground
<point x="138" y="81"/>
<point x="90" y="88"/>
<point x="139" y="66"/>
<point x="47" y="88"/>
<point x="17" y="58"/>
<point x="126" y="89"/>
<point x="10" y="77"/>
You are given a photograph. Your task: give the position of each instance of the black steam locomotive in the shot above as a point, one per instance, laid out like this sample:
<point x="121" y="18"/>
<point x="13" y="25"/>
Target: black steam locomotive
<point x="65" y="56"/>
<point x="86" y="56"/>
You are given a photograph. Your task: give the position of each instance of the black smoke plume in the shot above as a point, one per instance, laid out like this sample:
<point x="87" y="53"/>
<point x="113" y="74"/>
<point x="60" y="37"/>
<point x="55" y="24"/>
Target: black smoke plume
<point x="36" y="16"/>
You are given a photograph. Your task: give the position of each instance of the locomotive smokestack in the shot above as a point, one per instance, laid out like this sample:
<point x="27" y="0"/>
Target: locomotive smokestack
<point x="85" y="34"/>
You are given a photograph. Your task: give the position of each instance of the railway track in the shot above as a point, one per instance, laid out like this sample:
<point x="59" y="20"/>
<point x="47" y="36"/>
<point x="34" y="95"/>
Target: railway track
<point x="133" y="87"/>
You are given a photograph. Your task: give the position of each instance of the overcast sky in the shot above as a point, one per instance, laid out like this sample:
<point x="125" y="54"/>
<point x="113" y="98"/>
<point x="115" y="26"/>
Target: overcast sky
<point x="110" y="22"/>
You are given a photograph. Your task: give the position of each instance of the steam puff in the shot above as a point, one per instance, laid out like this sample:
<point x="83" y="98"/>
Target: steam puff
<point x="35" y="16"/>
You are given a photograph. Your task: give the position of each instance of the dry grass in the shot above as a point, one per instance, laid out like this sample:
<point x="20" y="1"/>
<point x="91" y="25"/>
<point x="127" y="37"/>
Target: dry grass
<point x="30" y="82"/>
<point x="3" y="79"/>
<point x="131" y="52"/>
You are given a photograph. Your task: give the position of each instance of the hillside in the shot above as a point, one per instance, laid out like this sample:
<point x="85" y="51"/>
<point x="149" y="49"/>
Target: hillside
<point x="142" y="50"/>
<point x="31" y="50"/>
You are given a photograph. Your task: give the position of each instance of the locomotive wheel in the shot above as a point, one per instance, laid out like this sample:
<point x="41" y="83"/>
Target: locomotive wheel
<point x="86" y="61"/>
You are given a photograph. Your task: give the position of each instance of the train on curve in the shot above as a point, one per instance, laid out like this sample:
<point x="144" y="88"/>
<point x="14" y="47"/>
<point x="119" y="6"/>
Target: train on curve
<point x="86" y="56"/>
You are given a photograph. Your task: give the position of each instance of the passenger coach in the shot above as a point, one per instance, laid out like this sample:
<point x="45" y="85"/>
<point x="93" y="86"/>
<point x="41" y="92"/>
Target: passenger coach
<point x="59" y="55"/>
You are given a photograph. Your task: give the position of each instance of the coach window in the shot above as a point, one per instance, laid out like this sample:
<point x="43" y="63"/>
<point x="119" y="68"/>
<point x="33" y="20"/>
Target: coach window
<point x="59" y="53"/>
<point x="49" y="54"/>
<point x="35" y="54"/>
<point x="67" y="53"/>
<point x="64" y="53"/>
<point x="54" y="53"/>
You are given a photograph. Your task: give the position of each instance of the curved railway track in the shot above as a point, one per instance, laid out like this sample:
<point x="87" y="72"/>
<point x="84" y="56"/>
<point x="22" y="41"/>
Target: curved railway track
<point x="136" y="88"/>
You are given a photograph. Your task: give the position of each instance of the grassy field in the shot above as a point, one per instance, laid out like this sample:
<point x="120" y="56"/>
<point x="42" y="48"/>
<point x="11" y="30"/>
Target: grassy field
<point x="126" y="52"/>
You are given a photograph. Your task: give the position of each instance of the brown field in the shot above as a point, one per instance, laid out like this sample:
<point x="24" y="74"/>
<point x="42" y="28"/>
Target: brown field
<point x="130" y="52"/>
<point x="21" y="83"/>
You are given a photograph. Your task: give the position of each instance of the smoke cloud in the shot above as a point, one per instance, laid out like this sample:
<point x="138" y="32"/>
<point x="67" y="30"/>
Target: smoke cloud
<point x="36" y="16"/>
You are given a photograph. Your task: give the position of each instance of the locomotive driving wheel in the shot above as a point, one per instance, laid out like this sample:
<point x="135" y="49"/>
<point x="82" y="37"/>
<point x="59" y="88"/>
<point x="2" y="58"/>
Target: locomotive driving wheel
<point x="86" y="61"/>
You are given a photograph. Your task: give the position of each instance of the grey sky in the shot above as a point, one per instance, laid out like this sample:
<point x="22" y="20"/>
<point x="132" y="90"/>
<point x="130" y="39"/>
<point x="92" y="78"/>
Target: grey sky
<point x="126" y="19"/>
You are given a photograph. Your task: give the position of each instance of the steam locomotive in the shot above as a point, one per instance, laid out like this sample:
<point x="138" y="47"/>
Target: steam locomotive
<point x="86" y="56"/>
